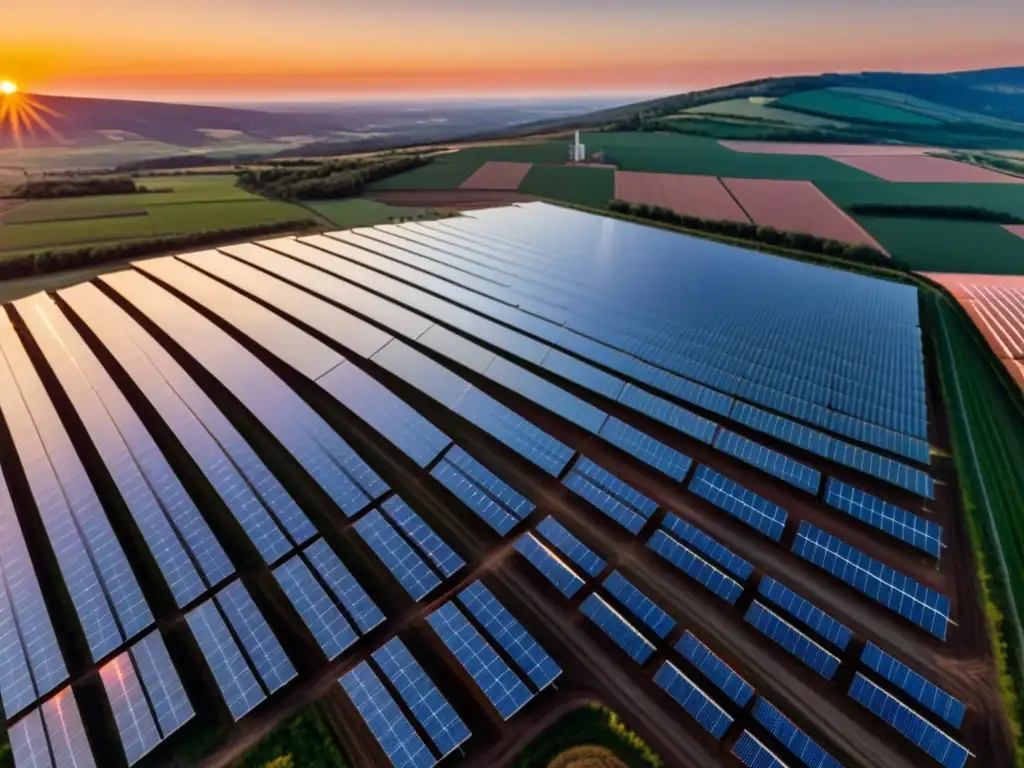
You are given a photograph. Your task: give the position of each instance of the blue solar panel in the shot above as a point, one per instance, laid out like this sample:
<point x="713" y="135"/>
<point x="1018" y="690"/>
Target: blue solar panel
<point x="549" y="564"/>
<point x="806" y="612"/>
<point x="565" y="542"/>
<point x="328" y="625"/>
<point x="342" y="583"/>
<point x="792" y="640"/>
<point x="745" y="505"/>
<point x="389" y="726"/>
<point x="610" y="495"/>
<point x="583" y="373"/>
<point x="166" y="695"/>
<point x="638" y="647"/>
<point x="481" y="490"/>
<point x="880" y="437"/>
<point x="499" y="683"/>
<point x="401" y="559"/>
<point x="891" y="588"/>
<point x="135" y="721"/>
<point x="700" y="541"/>
<point x="692" y="699"/>
<point x="880" y="514"/>
<point x="510" y="634"/>
<point x="444" y="727"/>
<point x="720" y="674"/>
<point x="914" y="727"/>
<point x="646" y="448"/>
<point x="695" y="567"/>
<point x="51" y="736"/>
<point x="917" y="687"/>
<point x="767" y="460"/>
<point x="754" y="754"/>
<point x="668" y="413"/>
<point x="265" y="652"/>
<point x="639" y="604"/>
<point x="423" y="536"/>
<point x="795" y="740"/>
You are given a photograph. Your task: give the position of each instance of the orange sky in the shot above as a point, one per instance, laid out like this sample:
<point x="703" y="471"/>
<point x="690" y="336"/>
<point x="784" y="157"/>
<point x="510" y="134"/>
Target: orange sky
<point x="271" y="49"/>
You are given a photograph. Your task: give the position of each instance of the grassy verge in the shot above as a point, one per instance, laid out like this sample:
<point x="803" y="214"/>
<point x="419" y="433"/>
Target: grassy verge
<point x="592" y="725"/>
<point x="305" y="741"/>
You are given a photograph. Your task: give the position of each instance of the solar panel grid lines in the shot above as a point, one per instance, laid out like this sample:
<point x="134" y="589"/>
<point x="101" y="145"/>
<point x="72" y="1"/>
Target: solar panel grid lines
<point x="610" y="504"/>
<point x="264" y="650"/>
<point x="356" y="601"/>
<point x="612" y="623"/>
<point x="386" y="721"/>
<point x="569" y="545"/>
<point x="51" y="736"/>
<point x="512" y="502"/>
<point x="898" y="592"/>
<point x="645" y="448"/>
<point x="915" y="728"/>
<point x="743" y="504"/>
<point x="694" y="566"/>
<point x="921" y="690"/>
<point x="718" y="552"/>
<point x="502" y="687"/>
<point x="819" y="622"/>
<point x="752" y="753"/>
<point x="481" y="503"/>
<point x="792" y="738"/>
<point x="444" y="558"/>
<point x="878" y="513"/>
<point x="331" y="629"/>
<point x="135" y="721"/>
<point x="795" y="642"/>
<point x="709" y="664"/>
<point x="772" y="462"/>
<point x="668" y="413"/>
<point x="553" y="568"/>
<point x="397" y="555"/>
<point x="165" y="693"/>
<point x="693" y="700"/>
<point x="636" y="602"/>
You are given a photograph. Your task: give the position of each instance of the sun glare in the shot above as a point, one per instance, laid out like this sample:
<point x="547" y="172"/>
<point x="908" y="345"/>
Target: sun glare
<point x="21" y="114"/>
<point x="7" y="88"/>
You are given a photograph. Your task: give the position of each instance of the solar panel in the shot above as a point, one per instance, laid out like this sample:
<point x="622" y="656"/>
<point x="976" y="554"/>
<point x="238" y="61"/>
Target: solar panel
<point x="359" y="605"/>
<point x="914" y="727"/>
<point x="582" y="373"/>
<point x="767" y="460"/>
<point x="745" y="505"/>
<point x="549" y="564"/>
<point x="565" y="542"/>
<point x="914" y="685"/>
<point x="889" y="587"/>
<point x="619" y="501"/>
<point x="695" y="567"/>
<point x="752" y="753"/>
<point x="397" y="555"/>
<point x="29" y="746"/>
<point x="51" y="736"/>
<point x="136" y="725"/>
<point x="428" y="705"/>
<point x="423" y="536"/>
<point x="166" y="695"/>
<point x="639" y="604"/>
<point x="389" y="726"/>
<point x="636" y="646"/>
<point x="487" y="495"/>
<point x="806" y="612"/>
<point x="697" y="704"/>
<point x="796" y="741"/>
<point x="329" y="626"/>
<point x="645" y="448"/>
<point x="880" y="514"/>
<point x="668" y="413"/>
<point x="263" y="648"/>
<point x="500" y="684"/>
<point x="718" y="673"/>
<point x="792" y="640"/>
<point x="700" y="541"/>
<point x="525" y="651"/>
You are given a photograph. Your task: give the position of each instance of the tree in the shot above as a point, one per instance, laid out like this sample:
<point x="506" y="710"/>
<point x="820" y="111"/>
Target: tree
<point x="284" y="761"/>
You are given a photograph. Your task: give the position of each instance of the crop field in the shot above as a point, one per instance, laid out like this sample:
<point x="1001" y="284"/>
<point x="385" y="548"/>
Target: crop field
<point x="761" y="111"/>
<point x="1008" y="198"/>
<point x="363" y="213"/>
<point x="926" y="169"/>
<point x="1015" y="229"/>
<point x="585" y="186"/>
<point x="842" y="105"/>
<point x="495" y="174"/>
<point x="418" y="478"/>
<point x="701" y="196"/>
<point x="38" y="211"/>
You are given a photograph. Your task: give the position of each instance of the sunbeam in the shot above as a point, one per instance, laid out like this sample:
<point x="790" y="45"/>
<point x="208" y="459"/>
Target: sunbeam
<point x="21" y="115"/>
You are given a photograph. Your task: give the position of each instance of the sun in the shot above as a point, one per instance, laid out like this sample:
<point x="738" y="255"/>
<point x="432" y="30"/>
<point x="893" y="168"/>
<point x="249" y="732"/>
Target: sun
<point x="7" y="88"/>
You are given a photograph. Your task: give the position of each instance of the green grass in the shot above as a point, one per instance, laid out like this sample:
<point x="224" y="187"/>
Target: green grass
<point x="73" y="208"/>
<point x="306" y="738"/>
<point x="444" y="173"/>
<point x="589" y="725"/>
<point x="761" y="111"/>
<point x="192" y="189"/>
<point x="358" y="212"/>
<point x="997" y="197"/>
<point x="841" y="106"/>
<point x="584" y="186"/>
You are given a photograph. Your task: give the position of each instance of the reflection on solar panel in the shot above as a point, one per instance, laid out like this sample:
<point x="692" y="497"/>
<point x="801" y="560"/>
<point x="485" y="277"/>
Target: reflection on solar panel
<point x="570" y="546"/>
<point x="500" y="684"/>
<point x="918" y="730"/>
<point x="423" y="536"/>
<point x="891" y="588"/>
<point x="795" y="740"/>
<point x="668" y="413"/>
<point x="329" y="626"/>
<point x="510" y="634"/>
<point x="342" y="583"/>
<point x="389" y="726"/>
<point x="51" y="736"/>
<point x="623" y="504"/>
<point x="646" y="448"/>
<point x="767" y="460"/>
<point x="695" y="567"/>
<point x="549" y="564"/>
<point x="714" y="669"/>
<point x="265" y="652"/>
<point x="401" y="559"/>
<point x="917" y="687"/>
<point x="95" y="569"/>
<point x="880" y="437"/>
<point x="493" y="500"/>
<point x="251" y="492"/>
<point x="167" y="697"/>
<point x="792" y="640"/>
<point x="806" y="612"/>
<point x="444" y="727"/>
<point x="746" y="506"/>
<point x="617" y="628"/>
<point x="880" y="514"/>
<point x="687" y="533"/>
<point x="639" y="604"/>
<point x="754" y="754"/>
<point x="692" y="699"/>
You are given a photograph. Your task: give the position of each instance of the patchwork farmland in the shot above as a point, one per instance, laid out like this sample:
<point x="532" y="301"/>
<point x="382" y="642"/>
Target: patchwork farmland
<point x="450" y="477"/>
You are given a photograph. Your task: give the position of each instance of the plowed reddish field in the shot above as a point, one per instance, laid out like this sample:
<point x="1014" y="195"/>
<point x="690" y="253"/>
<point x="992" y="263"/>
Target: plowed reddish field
<point x="700" y="196"/>
<point x="1016" y="229"/>
<point x="497" y="175"/>
<point x="922" y="168"/>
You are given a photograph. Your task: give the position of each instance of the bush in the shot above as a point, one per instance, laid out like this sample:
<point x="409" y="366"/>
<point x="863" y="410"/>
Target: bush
<point x="592" y="726"/>
<point x="305" y="741"/>
<point x="76" y="187"/>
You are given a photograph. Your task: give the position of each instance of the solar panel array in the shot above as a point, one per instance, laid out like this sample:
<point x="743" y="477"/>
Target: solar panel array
<point x="623" y="504"/>
<point x="554" y="569"/>
<point x="914" y="685"/>
<point x="715" y="551"/>
<point x="569" y="545"/>
<point x="409" y="568"/>
<point x="804" y="611"/>
<point x="492" y="499"/>
<point x="51" y="736"/>
<point x="695" y="567"/>
<point x="774" y="463"/>
<point x="743" y="504"/>
<point x="693" y="700"/>
<point x="792" y="640"/>
<point x="637" y="603"/>
<point x="880" y="514"/>
<point x="720" y="674"/>
<point x="795" y="740"/>
<point x="638" y="647"/>
<point x="751" y="752"/>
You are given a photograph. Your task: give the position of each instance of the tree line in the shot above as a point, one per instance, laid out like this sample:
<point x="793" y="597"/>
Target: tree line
<point x="331" y="180"/>
<point x="959" y="212"/>
<point x="46" y="189"/>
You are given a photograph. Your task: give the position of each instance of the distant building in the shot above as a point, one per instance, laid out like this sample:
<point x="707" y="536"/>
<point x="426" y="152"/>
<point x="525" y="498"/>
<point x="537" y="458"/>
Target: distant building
<point x="577" y="152"/>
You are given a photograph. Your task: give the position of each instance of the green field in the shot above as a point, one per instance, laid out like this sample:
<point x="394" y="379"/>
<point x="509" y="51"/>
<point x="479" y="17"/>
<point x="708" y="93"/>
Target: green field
<point x="584" y="186"/>
<point x="73" y="208"/>
<point x="997" y="197"/>
<point x="758" y="110"/>
<point x="844" y="105"/>
<point x="363" y="213"/>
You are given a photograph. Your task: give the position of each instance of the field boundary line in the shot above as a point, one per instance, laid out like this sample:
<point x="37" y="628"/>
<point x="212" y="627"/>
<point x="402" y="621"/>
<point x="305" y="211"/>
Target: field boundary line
<point x="736" y="200"/>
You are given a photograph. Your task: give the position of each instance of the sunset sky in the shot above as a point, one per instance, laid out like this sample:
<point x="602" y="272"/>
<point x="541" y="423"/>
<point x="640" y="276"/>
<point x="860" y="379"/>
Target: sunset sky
<point x="271" y="49"/>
